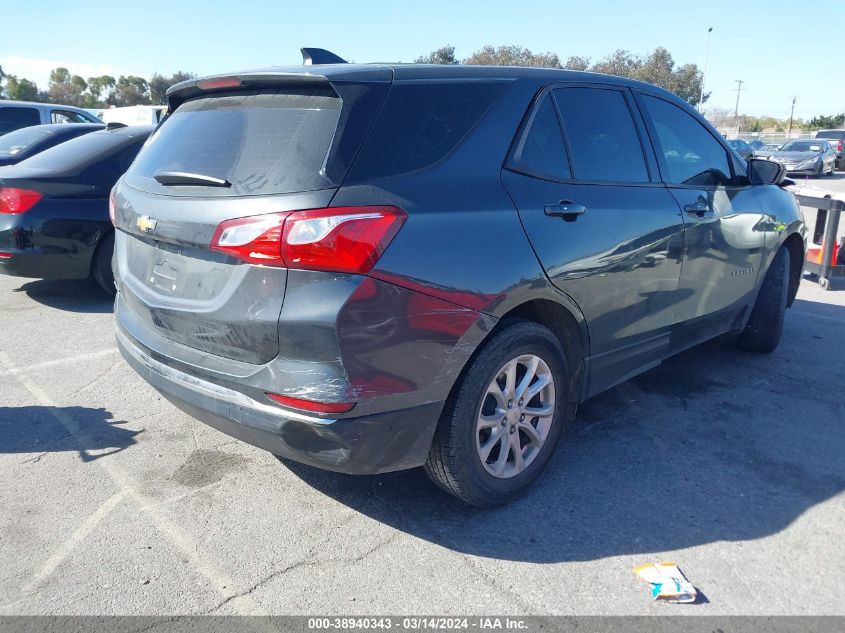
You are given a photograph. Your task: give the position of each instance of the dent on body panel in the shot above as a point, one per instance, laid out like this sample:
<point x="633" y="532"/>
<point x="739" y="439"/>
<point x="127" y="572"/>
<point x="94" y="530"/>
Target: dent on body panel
<point x="394" y="340"/>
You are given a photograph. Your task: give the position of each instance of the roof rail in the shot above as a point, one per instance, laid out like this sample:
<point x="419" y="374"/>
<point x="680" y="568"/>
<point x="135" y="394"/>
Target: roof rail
<point x="312" y="56"/>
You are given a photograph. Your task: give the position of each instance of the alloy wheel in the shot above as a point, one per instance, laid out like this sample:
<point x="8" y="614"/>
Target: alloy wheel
<point x="515" y="417"/>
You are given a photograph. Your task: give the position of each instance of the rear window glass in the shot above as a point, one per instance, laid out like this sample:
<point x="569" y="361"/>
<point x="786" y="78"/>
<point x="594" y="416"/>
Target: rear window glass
<point x="16" y="118"/>
<point x="420" y="123"/>
<point x="75" y="153"/>
<point x="15" y="142"/>
<point x="262" y="143"/>
<point x="837" y="134"/>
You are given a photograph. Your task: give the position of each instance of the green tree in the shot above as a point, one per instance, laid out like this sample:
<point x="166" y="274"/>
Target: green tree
<point x="99" y="90"/>
<point x="130" y="90"/>
<point x="822" y="121"/>
<point x="21" y="89"/>
<point x="512" y="56"/>
<point x="159" y="85"/>
<point x="620" y="62"/>
<point x="443" y="55"/>
<point x="66" y="88"/>
<point x="576" y="62"/>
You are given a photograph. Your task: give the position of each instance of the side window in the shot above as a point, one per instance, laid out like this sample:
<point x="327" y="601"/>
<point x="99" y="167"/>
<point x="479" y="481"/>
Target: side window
<point x="63" y="116"/>
<point x="15" y="118"/>
<point x="540" y="150"/>
<point x="691" y="155"/>
<point x="603" y="140"/>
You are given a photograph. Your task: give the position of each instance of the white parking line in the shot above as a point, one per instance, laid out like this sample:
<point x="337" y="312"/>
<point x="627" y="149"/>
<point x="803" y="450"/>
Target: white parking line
<point x="59" y="361"/>
<point x="220" y="581"/>
<point x="78" y="535"/>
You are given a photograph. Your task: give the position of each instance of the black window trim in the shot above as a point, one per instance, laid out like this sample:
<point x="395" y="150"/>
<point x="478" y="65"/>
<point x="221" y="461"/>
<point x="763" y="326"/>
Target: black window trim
<point x="661" y="163"/>
<point x="649" y="158"/>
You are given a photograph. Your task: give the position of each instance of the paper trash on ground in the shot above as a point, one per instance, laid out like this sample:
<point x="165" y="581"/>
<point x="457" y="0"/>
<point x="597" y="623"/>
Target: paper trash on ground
<point x="668" y="584"/>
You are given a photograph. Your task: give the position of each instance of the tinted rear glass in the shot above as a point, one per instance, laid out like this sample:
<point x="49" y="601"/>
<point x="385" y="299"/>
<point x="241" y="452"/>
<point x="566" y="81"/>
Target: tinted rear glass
<point x="16" y="118"/>
<point x="262" y="143"/>
<point x="15" y="142"/>
<point x="76" y="153"/>
<point x="838" y="134"/>
<point x="540" y="150"/>
<point x="420" y="123"/>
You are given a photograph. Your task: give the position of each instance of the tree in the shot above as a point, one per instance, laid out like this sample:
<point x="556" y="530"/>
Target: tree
<point x="620" y="62"/>
<point x="66" y="88"/>
<point x="512" y="56"/>
<point x="576" y="62"/>
<point x="159" y="85"/>
<point x="130" y="90"/>
<point x="443" y="55"/>
<point x="97" y="86"/>
<point x="826" y="121"/>
<point x="21" y="89"/>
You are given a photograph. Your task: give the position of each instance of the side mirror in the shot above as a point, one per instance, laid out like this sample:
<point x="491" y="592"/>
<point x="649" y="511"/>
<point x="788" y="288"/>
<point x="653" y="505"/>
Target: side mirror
<point x="765" y="172"/>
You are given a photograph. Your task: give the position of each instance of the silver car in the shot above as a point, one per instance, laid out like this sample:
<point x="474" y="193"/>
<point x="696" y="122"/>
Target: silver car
<point x="807" y="158"/>
<point x="15" y="115"/>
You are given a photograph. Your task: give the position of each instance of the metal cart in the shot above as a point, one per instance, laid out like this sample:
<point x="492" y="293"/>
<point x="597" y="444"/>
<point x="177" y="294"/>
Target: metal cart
<point x="829" y="259"/>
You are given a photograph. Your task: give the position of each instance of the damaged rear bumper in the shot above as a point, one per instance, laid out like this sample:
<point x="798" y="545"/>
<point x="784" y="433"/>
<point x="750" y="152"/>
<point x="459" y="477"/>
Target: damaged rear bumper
<point x="370" y="444"/>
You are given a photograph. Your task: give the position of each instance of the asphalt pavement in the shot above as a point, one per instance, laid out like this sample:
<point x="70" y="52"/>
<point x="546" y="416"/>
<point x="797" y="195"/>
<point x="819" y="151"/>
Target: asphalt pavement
<point x="114" y="502"/>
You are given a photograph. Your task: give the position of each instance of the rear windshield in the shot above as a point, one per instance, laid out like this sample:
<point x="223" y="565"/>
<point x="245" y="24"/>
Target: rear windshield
<point x="15" y="142"/>
<point x="831" y="134"/>
<point x="76" y="153"/>
<point x="267" y="142"/>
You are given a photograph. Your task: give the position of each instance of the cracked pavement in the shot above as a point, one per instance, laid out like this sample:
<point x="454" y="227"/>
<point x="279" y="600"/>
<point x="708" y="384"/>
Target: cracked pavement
<point x="114" y="502"/>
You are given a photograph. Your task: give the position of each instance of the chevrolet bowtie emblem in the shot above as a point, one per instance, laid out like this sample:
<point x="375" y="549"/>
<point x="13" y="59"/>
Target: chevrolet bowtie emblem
<point x="146" y="224"/>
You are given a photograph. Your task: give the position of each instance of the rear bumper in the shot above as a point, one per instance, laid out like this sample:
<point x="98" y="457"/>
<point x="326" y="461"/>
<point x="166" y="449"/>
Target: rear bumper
<point x="38" y="254"/>
<point x="375" y="443"/>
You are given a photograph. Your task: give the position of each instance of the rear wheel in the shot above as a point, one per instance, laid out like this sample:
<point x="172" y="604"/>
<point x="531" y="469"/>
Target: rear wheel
<point x="832" y="171"/>
<point x="762" y="333"/>
<point x="504" y="418"/>
<point x="101" y="269"/>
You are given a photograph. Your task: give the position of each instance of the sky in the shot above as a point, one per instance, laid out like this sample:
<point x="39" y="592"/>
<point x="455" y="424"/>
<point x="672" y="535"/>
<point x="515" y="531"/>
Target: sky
<point x="777" y="48"/>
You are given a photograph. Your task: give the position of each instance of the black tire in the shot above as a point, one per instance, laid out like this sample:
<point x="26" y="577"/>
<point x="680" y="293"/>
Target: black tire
<point x="453" y="460"/>
<point x="832" y="171"/>
<point x="821" y="171"/>
<point x="101" y="269"/>
<point x="763" y="330"/>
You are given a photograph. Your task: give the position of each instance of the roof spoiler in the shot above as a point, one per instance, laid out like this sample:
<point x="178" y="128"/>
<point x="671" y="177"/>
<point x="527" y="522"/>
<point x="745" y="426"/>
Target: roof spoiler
<point x="313" y="56"/>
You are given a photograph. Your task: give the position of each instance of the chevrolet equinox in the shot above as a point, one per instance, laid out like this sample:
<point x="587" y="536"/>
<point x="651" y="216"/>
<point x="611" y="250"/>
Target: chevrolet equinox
<point x="367" y="268"/>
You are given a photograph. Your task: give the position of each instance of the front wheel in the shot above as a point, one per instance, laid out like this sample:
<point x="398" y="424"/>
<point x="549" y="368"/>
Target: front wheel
<point x="504" y="418"/>
<point x="762" y="333"/>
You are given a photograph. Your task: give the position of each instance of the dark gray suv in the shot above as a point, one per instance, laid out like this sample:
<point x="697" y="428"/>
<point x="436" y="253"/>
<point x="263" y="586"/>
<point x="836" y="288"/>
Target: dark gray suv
<point x="367" y="268"/>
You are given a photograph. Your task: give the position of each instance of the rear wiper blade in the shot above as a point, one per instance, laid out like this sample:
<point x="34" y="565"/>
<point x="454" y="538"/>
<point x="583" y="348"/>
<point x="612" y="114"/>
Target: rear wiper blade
<point x="184" y="178"/>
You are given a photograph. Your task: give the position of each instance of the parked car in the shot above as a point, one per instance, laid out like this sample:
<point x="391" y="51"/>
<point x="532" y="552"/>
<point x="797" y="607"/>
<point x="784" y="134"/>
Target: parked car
<point x="17" y="114"/>
<point x="367" y="268"/>
<point x="26" y="142"/>
<point x="836" y="138"/>
<point x="767" y="150"/>
<point x="812" y="157"/>
<point x="742" y="148"/>
<point x="756" y="144"/>
<point x="54" y="210"/>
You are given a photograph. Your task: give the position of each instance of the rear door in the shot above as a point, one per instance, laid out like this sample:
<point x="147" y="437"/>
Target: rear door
<point x="726" y="228"/>
<point x="279" y="148"/>
<point x="605" y="231"/>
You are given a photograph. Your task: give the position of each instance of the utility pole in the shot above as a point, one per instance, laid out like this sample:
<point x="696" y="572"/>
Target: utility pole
<point x="704" y="73"/>
<point x="791" y="112"/>
<point x="738" y="89"/>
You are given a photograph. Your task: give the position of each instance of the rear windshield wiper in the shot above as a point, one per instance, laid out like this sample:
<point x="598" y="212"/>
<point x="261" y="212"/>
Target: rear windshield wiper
<point x="184" y="178"/>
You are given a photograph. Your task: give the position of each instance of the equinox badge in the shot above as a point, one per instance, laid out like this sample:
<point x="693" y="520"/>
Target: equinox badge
<point x="146" y="224"/>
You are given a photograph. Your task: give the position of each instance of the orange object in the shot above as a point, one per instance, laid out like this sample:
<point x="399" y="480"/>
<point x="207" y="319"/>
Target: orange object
<point x="815" y="254"/>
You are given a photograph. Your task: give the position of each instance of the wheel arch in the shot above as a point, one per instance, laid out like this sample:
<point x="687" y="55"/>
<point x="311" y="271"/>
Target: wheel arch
<point x="794" y="244"/>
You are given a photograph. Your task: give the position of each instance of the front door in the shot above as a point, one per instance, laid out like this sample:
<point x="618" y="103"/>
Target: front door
<point x="725" y="234"/>
<point x="607" y="234"/>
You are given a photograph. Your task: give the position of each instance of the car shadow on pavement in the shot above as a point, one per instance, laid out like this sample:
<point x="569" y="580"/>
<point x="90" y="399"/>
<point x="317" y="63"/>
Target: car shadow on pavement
<point x="715" y="444"/>
<point x="37" y="430"/>
<point x="71" y="295"/>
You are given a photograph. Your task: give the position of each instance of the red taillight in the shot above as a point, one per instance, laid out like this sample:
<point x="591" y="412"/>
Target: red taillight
<point x="14" y="200"/>
<point x="220" y="82"/>
<point x="111" y="208"/>
<point x="839" y="146"/>
<point x="311" y="405"/>
<point x="256" y="240"/>
<point x="342" y="239"/>
<point x="5" y="255"/>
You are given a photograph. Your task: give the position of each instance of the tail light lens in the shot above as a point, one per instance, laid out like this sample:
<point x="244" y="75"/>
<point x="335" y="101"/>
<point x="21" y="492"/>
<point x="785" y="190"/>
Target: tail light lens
<point x="839" y="146"/>
<point x="14" y="200"/>
<point x="342" y="239"/>
<point x="311" y="405"/>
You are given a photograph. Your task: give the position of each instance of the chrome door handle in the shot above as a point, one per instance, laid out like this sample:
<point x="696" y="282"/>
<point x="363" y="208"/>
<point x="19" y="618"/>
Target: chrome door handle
<point x="565" y="209"/>
<point x="698" y="208"/>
